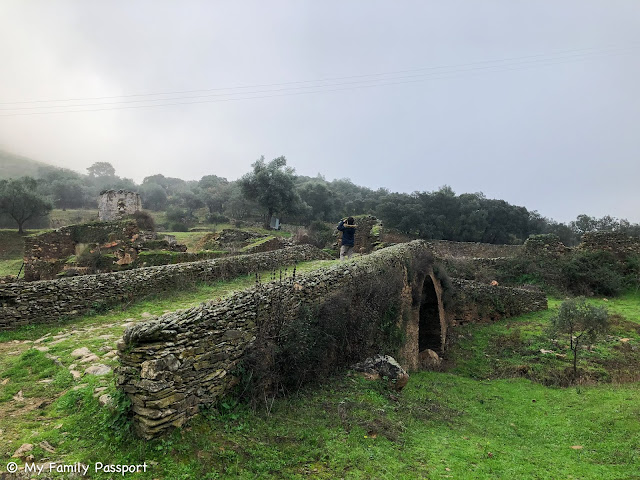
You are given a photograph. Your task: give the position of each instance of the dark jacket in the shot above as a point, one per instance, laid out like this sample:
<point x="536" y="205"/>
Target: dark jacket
<point x="348" y="233"/>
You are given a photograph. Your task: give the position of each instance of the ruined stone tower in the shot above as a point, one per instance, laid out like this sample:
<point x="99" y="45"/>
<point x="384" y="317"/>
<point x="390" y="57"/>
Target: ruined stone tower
<point x="114" y="205"/>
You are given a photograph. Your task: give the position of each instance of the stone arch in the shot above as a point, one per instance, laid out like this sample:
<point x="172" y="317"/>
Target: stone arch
<point x="425" y="324"/>
<point x="432" y="327"/>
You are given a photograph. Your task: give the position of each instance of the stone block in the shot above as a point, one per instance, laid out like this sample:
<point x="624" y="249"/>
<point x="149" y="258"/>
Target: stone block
<point x="171" y="399"/>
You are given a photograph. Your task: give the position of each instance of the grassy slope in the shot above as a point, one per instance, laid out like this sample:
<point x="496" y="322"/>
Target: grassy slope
<point x="22" y="366"/>
<point x="514" y="348"/>
<point x="443" y="425"/>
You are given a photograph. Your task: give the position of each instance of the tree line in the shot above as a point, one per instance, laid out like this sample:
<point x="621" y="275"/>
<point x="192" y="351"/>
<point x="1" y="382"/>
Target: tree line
<point x="271" y="188"/>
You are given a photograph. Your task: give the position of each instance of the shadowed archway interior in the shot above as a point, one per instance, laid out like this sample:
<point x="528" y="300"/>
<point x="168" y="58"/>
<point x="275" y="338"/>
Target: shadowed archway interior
<point x="429" y="334"/>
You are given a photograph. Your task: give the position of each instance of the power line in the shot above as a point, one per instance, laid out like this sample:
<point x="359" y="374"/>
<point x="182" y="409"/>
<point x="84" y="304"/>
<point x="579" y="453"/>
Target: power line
<point x="520" y="61"/>
<point x="366" y="82"/>
<point x="602" y="49"/>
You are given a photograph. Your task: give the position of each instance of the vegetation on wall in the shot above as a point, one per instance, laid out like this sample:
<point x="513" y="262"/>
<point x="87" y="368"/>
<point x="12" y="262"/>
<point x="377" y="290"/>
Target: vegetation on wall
<point x="577" y="273"/>
<point x="341" y="330"/>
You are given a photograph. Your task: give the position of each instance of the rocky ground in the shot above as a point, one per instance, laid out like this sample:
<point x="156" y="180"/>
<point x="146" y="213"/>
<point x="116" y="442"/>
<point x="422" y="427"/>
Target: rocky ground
<point x="87" y="352"/>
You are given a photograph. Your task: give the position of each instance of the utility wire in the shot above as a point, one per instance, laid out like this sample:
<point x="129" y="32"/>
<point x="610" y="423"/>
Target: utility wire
<point x="290" y="91"/>
<point x="587" y="50"/>
<point x="522" y="62"/>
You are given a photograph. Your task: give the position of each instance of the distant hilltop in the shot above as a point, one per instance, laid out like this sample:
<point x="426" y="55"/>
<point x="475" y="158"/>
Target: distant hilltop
<point x="14" y="166"/>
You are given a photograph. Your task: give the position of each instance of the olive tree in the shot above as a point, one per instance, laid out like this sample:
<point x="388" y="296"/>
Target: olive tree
<point x="581" y="323"/>
<point x="272" y="186"/>
<point x="20" y="200"/>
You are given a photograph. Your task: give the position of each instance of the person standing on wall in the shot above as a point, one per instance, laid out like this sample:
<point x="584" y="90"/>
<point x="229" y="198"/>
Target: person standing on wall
<point x="348" y="230"/>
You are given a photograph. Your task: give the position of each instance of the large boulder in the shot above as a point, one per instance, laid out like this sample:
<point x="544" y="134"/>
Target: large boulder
<point x="386" y="367"/>
<point x="430" y="360"/>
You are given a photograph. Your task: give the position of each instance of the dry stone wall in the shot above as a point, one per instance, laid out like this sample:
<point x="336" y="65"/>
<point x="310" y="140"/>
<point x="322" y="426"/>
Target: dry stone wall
<point x="544" y="246"/>
<point x="445" y="249"/>
<point x="478" y="302"/>
<point x="45" y="254"/>
<point x="114" y="205"/>
<point x="155" y="258"/>
<point x="269" y="245"/>
<point x="364" y="239"/>
<point x="620" y="244"/>
<point x="48" y="301"/>
<point x="478" y="269"/>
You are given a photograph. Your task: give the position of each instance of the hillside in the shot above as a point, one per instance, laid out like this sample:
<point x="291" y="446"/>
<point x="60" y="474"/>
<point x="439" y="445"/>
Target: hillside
<point x="476" y="419"/>
<point x="13" y="166"/>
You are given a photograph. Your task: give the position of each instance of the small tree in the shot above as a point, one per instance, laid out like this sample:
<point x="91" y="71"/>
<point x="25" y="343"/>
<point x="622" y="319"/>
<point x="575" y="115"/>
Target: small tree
<point x="581" y="323"/>
<point x="20" y="200"/>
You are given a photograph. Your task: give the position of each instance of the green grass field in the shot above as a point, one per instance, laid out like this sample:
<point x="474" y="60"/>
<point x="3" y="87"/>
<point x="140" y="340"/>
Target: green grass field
<point x="61" y="218"/>
<point x="11" y="252"/>
<point x="521" y="347"/>
<point x="482" y="418"/>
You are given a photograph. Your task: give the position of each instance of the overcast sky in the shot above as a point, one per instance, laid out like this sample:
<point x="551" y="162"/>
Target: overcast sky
<point x="536" y="103"/>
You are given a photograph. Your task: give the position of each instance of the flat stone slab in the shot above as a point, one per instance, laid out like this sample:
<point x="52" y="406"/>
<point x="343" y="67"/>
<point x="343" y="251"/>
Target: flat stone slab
<point x="81" y="352"/>
<point x="98" y="369"/>
<point x="24" y="448"/>
<point x="89" y="358"/>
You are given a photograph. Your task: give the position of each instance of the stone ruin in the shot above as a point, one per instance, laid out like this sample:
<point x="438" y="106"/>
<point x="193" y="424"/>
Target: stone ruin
<point x="115" y="205"/>
<point x="118" y="245"/>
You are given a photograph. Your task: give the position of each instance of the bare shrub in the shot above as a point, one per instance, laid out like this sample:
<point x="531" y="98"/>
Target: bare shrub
<point x="144" y="220"/>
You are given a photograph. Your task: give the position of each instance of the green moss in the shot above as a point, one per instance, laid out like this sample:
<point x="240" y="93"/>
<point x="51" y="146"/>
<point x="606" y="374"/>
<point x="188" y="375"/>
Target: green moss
<point x="165" y="257"/>
<point x="257" y="243"/>
<point x="100" y="232"/>
<point x="155" y="244"/>
<point x="151" y="253"/>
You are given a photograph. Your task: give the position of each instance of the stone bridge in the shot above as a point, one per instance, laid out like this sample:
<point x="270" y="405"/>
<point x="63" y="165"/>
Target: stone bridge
<point x="389" y="302"/>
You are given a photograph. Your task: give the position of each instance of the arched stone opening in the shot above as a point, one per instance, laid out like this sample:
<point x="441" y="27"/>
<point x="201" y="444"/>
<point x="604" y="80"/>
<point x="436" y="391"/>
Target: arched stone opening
<point x="431" y="324"/>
